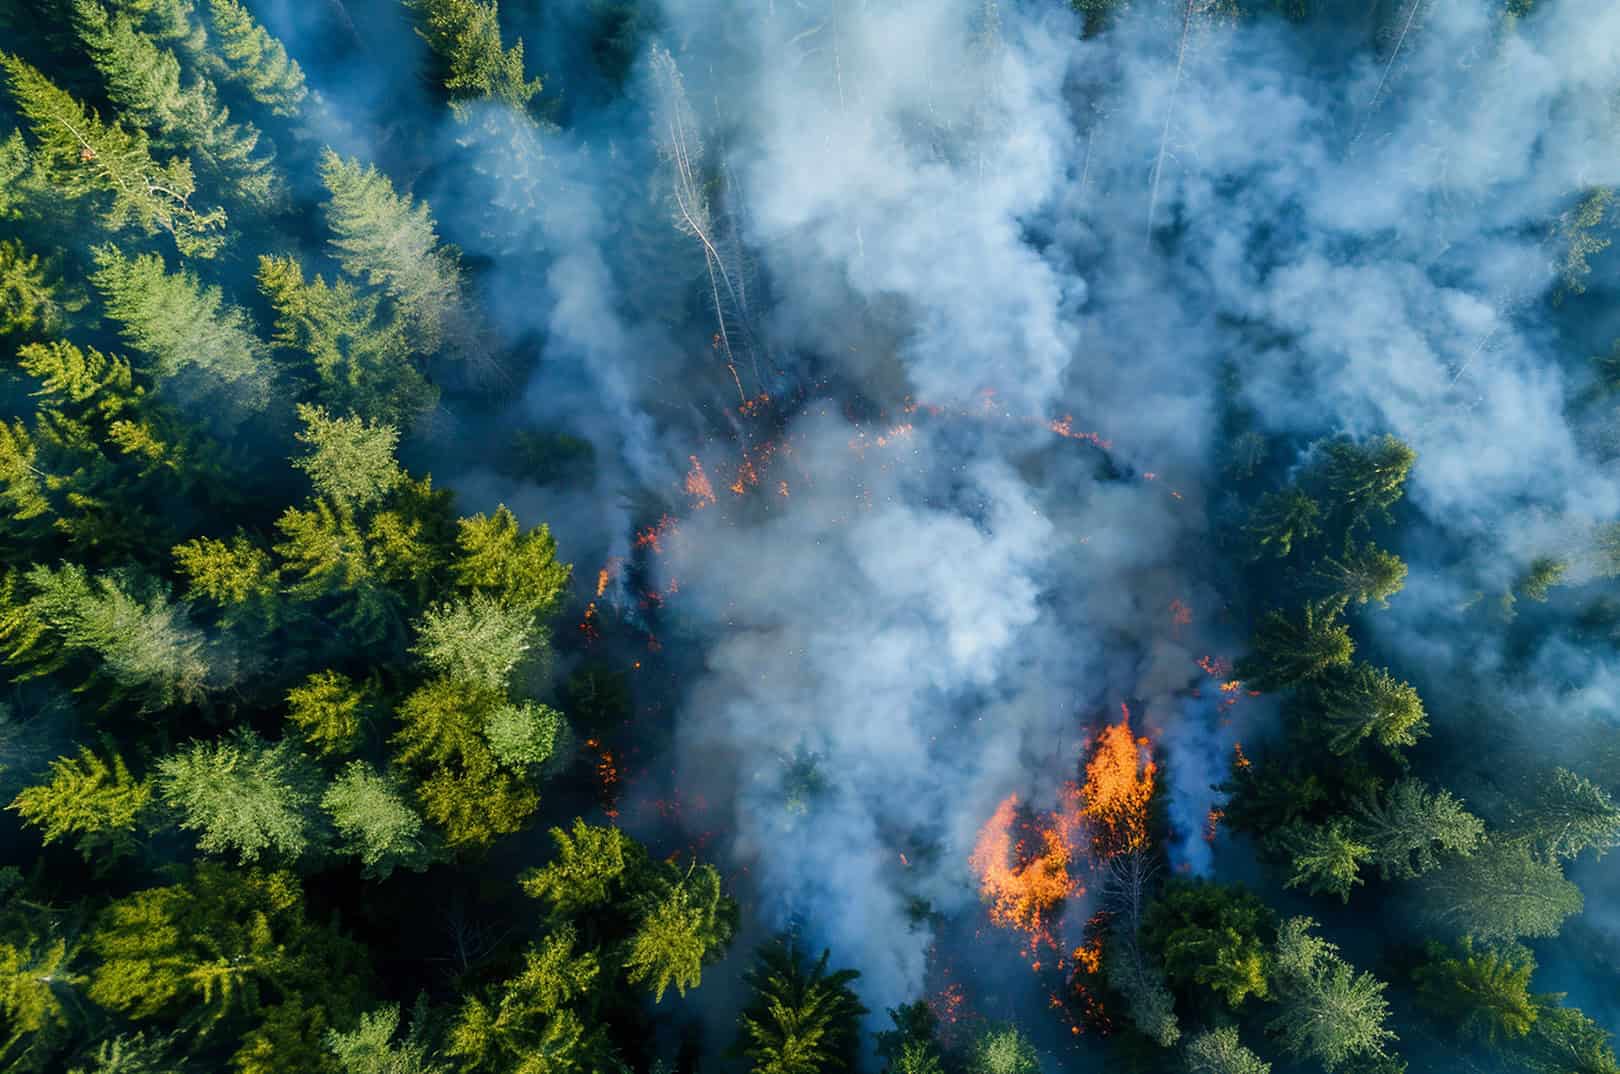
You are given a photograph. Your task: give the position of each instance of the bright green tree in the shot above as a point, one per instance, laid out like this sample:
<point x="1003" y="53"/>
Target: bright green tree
<point x="132" y="1053"/>
<point x="143" y="80"/>
<point x="465" y="36"/>
<point x="254" y="60"/>
<point x="798" y="1020"/>
<point x="237" y="576"/>
<point x="180" y="323"/>
<point x="1541" y="576"/>
<point x="245" y="796"/>
<point x="1326" y="1011"/>
<point x="523" y="734"/>
<point x="36" y="976"/>
<point x="1565" y="1041"/>
<point x="374" y="822"/>
<point x="375" y="1045"/>
<point x="1500" y="892"/>
<point x="476" y="640"/>
<point x="29" y="305"/>
<point x="1291" y="650"/>
<point x="1408" y="827"/>
<point x="1348" y="708"/>
<point x="78" y="155"/>
<point x="1211" y="935"/>
<point x="1327" y="858"/>
<point x="592" y="864"/>
<point x="1484" y="993"/>
<point x="1004" y="1050"/>
<point x="349" y="460"/>
<point x="1364" y="574"/>
<point x="1219" y="1051"/>
<point x="527" y="1024"/>
<point x="1577" y="229"/>
<point x="686" y="921"/>
<point x="95" y="801"/>
<point x="516" y="567"/>
<point x="1366" y="479"/>
<point x="329" y="710"/>
<point x="912" y="1046"/>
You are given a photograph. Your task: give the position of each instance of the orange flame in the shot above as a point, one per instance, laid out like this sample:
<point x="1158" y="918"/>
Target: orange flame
<point x="1023" y="883"/>
<point x="697" y="485"/>
<point x="1119" y="784"/>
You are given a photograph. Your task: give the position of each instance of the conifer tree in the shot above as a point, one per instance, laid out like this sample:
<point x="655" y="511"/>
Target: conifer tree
<point x="516" y="567"/>
<point x="98" y="803"/>
<point x="143" y="80"/>
<point x="237" y="576"/>
<point x="1219" y="1051"/>
<point x="1485" y="993"/>
<point x="329" y="710"/>
<point x="476" y="640"/>
<point x="373" y="822"/>
<point x="35" y="975"/>
<point x="1500" y="892"/>
<point x="350" y="460"/>
<point x="1004" y="1050"/>
<point x="1348" y="708"/>
<point x="245" y="796"/>
<point x="685" y="922"/>
<point x="180" y="323"/>
<point x="253" y="59"/>
<point x="1327" y="858"/>
<point x="800" y="1020"/>
<point x="527" y="1023"/>
<point x="1365" y="574"/>
<point x="1367" y="479"/>
<point x="28" y="302"/>
<point x="465" y="36"/>
<point x="1566" y="815"/>
<point x="78" y="155"/>
<point x="591" y="866"/>
<point x="1406" y="828"/>
<point x="1282" y="518"/>
<point x="1327" y="1012"/>
<point x="1292" y="650"/>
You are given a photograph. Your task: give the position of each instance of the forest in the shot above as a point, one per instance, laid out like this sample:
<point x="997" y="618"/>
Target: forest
<point x="809" y="536"/>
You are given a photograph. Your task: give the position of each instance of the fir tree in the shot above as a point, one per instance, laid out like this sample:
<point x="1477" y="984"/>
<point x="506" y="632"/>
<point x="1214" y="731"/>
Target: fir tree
<point x="465" y="36"/>
<point x="373" y="822"/>
<point x="1366" y="574"/>
<point x="1364" y="703"/>
<point x="1406" y="829"/>
<point x="1566" y="815"/>
<point x="244" y="796"/>
<point x="1500" y="892"/>
<point x="1219" y="1051"/>
<point x="78" y="154"/>
<point x="1327" y="858"/>
<point x="517" y="568"/>
<point x="1289" y="651"/>
<point x="1282" y="518"/>
<point x="28" y="300"/>
<point x="237" y="576"/>
<point x="476" y="640"/>
<point x="96" y="802"/>
<point x="350" y="460"/>
<point x="1327" y="1011"/>
<point x="1485" y="993"/>
<point x="799" y="1020"/>
<point x="685" y="922"/>
<point x="256" y="61"/>
<point x="329" y="710"/>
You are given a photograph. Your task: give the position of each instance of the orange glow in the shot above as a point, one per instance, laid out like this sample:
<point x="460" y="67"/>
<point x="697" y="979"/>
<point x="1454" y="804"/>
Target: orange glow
<point x="653" y="536"/>
<point x="607" y="776"/>
<point x="1088" y="956"/>
<point x="1180" y="614"/>
<point x="1238" y="758"/>
<point x="697" y="485"/>
<point x="1212" y="823"/>
<point x="782" y="488"/>
<point x="1119" y="784"/>
<point x="1023" y="879"/>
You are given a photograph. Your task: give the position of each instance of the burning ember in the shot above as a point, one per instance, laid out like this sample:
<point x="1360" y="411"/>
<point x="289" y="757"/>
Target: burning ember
<point x="698" y="487"/>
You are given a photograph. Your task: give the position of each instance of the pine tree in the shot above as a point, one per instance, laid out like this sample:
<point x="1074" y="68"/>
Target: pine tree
<point x="1219" y="1051"/>
<point x="1282" y="518"/>
<point x="1566" y="815"/>
<point x="798" y="1021"/>
<point x="1405" y="829"/>
<point x="389" y="240"/>
<point x="329" y="710"/>
<point x="28" y="301"/>
<point x="1576" y="228"/>
<point x="78" y="154"/>
<point x="1365" y="702"/>
<point x="1327" y="858"/>
<point x="144" y="81"/>
<point x="253" y="59"/>
<point x="517" y="568"/>
<point x="245" y="796"/>
<point x="1365" y="574"/>
<point x="1541" y="576"/>
<point x="1485" y="993"/>
<point x="1211" y="935"/>
<point x="373" y="822"/>
<point x="98" y="803"/>
<point x="1366" y="479"/>
<point x="350" y="460"/>
<point x="476" y="640"/>
<point x="1500" y="892"/>
<point x="363" y="362"/>
<point x="465" y="36"/>
<point x="686" y="921"/>
<point x="180" y="324"/>
<point x="1290" y="651"/>
<point x="1327" y="1012"/>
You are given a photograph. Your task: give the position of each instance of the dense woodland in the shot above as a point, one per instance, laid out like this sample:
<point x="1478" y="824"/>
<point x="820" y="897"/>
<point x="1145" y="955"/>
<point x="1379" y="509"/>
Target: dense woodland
<point x="308" y="768"/>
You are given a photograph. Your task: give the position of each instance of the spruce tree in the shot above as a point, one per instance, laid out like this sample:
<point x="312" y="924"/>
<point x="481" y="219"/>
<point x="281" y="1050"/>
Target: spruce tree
<point x="465" y="36"/>
<point x="244" y="796"/>
<point x="1348" y="708"/>
<point x="254" y="60"/>
<point x="97" y="802"/>
<point x="1408" y="827"/>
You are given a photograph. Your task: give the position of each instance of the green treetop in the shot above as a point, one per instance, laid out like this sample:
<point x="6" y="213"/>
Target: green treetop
<point x="685" y="922"/>
<point x="96" y="802"/>
<point x="1500" y="892"/>
<point x="592" y="865"/>
<point x="1282" y="518"/>
<point x="1213" y="936"/>
<point x="1219" y="1051"/>
<point x="527" y="1024"/>
<point x="1408" y="827"/>
<point x="350" y="460"/>
<point x="1326" y="1011"/>
<point x="476" y="640"/>
<point x="799" y="1019"/>
<point x="35" y="977"/>
<point x="1349" y="707"/>
<point x="1366" y="479"/>
<point x="1484" y="993"/>
<point x="1567" y="814"/>
<point x="1292" y="650"/>
<point x="374" y="822"/>
<point x="465" y="36"/>
<point x="1004" y="1050"/>
<point x="375" y="1047"/>
<point x="78" y="155"/>
<point x="29" y="304"/>
<point x="329" y="710"/>
<point x="1365" y="574"/>
<point x="254" y="60"/>
<point x="245" y="796"/>
<point x="516" y="567"/>
<point x="1327" y="858"/>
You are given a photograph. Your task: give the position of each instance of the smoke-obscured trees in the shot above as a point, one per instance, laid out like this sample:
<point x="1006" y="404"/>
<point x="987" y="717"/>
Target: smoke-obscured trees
<point x="1500" y="892"/>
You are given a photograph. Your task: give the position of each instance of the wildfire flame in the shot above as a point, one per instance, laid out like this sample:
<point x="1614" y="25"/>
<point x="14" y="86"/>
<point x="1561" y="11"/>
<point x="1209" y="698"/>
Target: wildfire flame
<point x="1023" y="881"/>
<point x="1119" y="784"/>
<point x="697" y="485"/>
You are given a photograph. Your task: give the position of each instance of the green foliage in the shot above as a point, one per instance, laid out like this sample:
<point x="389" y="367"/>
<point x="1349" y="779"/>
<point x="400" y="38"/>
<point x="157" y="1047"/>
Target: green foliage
<point x="1219" y="1051"/>
<point x="1500" y="892"/>
<point x="476" y="640"/>
<point x="465" y="35"/>
<point x="528" y="1025"/>
<point x="518" y="568"/>
<point x="328" y="710"/>
<point x="1368" y="479"/>
<point x="798" y="1020"/>
<point x="373" y="821"/>
<point x="1327" y="858"/>
<point x="180" y="324"/>
<point x="1148" y="1002"/>
<point x="685" y="922"/>
<point x="592" y="864"/>
<point x="1213" y="936"/>
<point x="1575" y="229"/>
<point x="1348" y="708"/>
<point x="1282" y="518"/>
<point x="243" y="795"/>
<point x="34" y="977"/>
<point x="1406" y="829"/>
<point x="97" y="802"/>
<point x="1326" y="1011"/>
<point x="28" y="302"/>
<point x="389" y="241"/>
<point x="523" y="735"/>
<point x="1567" y="814"/>
<point x="255" y="60"/>
<point x="144" y="81"/>
<point x="237" y="576"/>
<point x="912" y="1046"/>
<point x="1289" y="651"/>
<point x="1004" y="1051"/>
<point x="1366" y="574"/>
<point x="1565" y="1041"/>
<point x="132" y="1053"/>
<point x="1541" y="576"/>
<point x="225" y="947"/>
<point x="370" y="1048"/>
<point x="350" y="460"/>
<point x="78" y="155"/>
<point x="1485" y="993"/>
<point x="363" y="361"/>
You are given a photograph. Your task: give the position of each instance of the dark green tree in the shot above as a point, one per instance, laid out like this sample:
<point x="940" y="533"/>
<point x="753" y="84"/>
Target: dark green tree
<point x="1364" y="480"/>
<point x="1567" y="814"/>
<point x="1326" y="1011"/>
<point x="1282" y="518"/>
<point x="1349" y="707"/>
<point x="1326" y="858"/>
<point x="1290" y="650"/>
<point x="799" y="1019"/>
<point x="1484" y="993"/>
<point x="1364" y="574"/>
<point x="1213" y="936"/>
<point x="1501" y="892"/>
<point x="1408" y="827"/>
